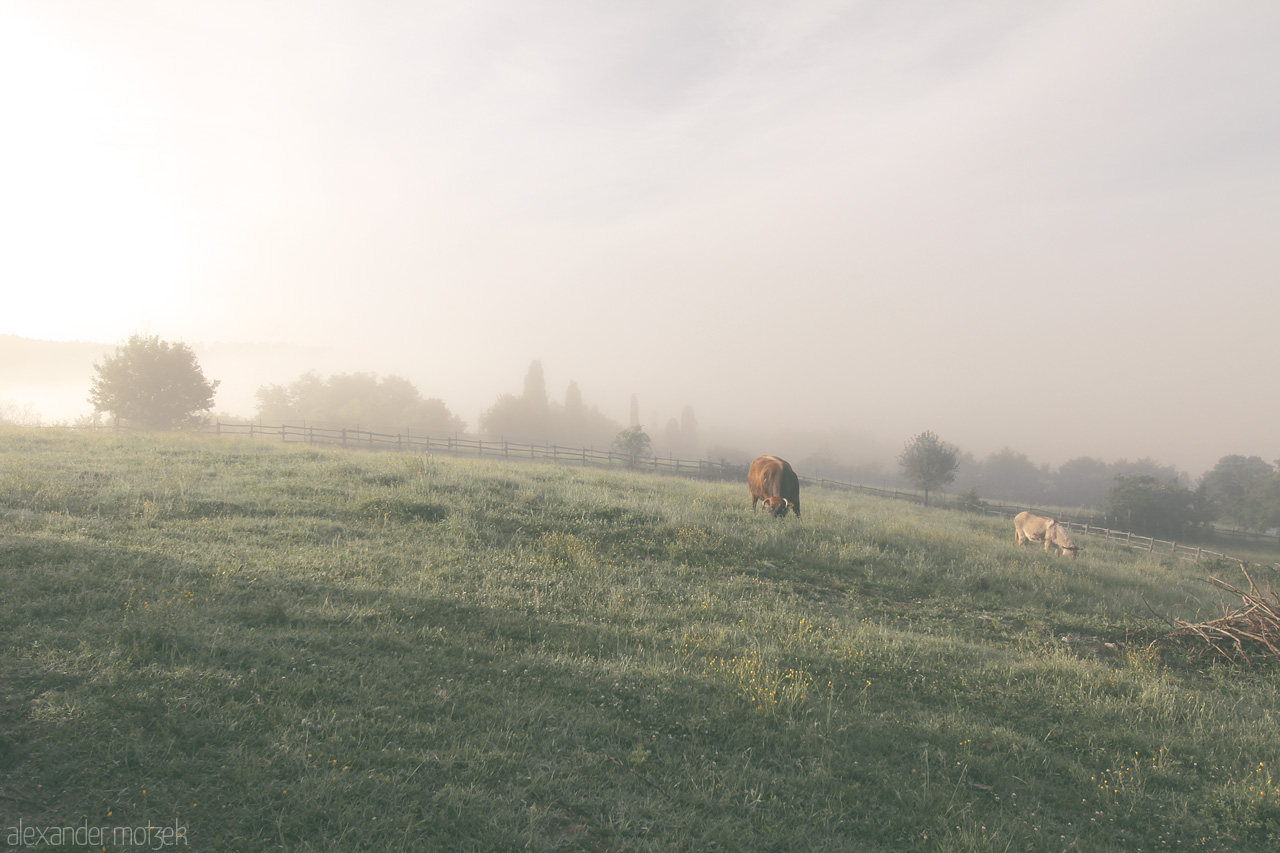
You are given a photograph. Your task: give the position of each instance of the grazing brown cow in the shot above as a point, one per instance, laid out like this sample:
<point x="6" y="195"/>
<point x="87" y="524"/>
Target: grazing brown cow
<point x="1028" y="527"/>
<point x="773" y="481"/>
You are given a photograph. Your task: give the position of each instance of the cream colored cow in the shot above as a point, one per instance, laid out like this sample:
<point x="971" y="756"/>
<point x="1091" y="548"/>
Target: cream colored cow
<point x="1028" y="527"/>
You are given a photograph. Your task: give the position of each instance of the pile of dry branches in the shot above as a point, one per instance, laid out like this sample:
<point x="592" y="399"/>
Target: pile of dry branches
<point x="1245" y="632"/>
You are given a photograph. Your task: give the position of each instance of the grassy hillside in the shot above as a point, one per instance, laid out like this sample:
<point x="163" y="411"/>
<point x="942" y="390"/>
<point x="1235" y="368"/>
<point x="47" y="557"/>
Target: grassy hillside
<point x="271" y="647"/>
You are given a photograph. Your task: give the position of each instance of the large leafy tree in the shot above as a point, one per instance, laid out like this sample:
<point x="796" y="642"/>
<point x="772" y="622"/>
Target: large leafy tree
<point x="152" y="384"/>
<point x="1241" y="490"/>
<point x="928" y="463"/>
<point x="1144" y="504"/>
<point x="1081" y="482"/>
<point x="1010" y="474"/>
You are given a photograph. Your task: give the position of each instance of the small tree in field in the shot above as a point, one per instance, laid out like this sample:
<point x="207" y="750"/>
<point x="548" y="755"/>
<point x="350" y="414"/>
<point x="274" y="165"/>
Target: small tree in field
<point x="633" y="441"/>
<point x="927" y="463"/>
<point x="152" y="384"/>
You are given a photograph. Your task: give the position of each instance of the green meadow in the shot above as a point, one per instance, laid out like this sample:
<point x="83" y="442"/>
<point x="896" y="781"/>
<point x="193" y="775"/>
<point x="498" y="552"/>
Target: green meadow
<point x="237" y="646"/>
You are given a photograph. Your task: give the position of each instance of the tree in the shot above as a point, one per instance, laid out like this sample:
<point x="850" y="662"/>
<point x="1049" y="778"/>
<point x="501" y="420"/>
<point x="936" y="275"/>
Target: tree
<point x="633" y="442"/>
<point x="927" y="463"/>
<point x="1238" y="489"/>
<point x="680" y="435"/>
<point x="1081" y="482"/>
<point x="689" y="443"/>
<point x="574" y="408"/>
<point x="1013" y="475"/>
<point x="1145" y="505"/>
<point x="535" y="388"/>
<point x="671" y="437"/>
<point x="525" y="417"/>
<point x="152" y="384"/>
<point x="390" y="405"/>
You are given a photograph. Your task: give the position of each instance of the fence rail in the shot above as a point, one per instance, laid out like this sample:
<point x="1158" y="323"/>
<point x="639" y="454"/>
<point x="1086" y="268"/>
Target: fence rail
<point x="1147" y="543"/>
<point x="493" y="449"/>
<point x="587" y="457"/>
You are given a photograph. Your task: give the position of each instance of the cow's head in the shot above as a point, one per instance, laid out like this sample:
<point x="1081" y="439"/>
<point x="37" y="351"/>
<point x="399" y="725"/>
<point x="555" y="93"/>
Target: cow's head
<point x="1057" y="534"/>
<point x="1065" y="545"/>
<point x="778" y="506"/>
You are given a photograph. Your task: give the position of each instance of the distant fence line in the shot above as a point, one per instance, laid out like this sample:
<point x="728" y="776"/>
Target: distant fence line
<point x="491" y="449"/>
<point x="588" y="457"/>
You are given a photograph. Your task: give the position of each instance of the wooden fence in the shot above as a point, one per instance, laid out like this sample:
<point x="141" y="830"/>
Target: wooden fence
<point x="459" y="446"/>
<point x="1147" y="543"/>
<point x="479" y="447"/>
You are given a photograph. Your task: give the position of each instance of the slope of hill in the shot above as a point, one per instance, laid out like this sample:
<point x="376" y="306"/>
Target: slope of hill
<point x="29" y="362"/>
<point x="266" y="646"/>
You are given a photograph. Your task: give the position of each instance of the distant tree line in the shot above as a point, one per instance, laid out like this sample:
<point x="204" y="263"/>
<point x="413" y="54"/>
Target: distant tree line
<point x="1081" y="482"/>
<point x="393" y="405"/>
<point x="390" y="405"/>
<point x="1143" y="496"/>
<point x="533" y="417"/>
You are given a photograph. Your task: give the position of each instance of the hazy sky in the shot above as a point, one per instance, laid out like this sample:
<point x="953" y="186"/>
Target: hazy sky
<point x="1048" y="225"/>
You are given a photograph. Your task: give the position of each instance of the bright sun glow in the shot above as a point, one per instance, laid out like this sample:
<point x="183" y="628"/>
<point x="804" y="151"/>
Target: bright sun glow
<point x="91" y="243"/>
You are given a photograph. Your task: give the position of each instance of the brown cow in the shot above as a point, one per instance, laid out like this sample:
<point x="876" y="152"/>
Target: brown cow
<point x="773" y="481"/>
<point x="1028" y="527"/>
